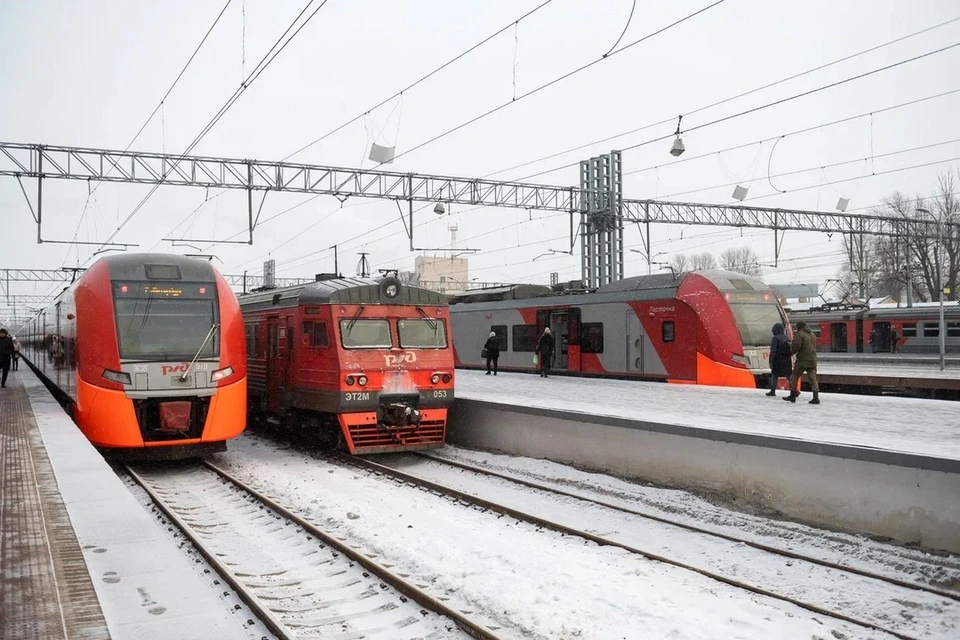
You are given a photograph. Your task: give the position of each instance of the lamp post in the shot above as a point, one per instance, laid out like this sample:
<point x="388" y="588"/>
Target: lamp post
<point x="941" y="332"/>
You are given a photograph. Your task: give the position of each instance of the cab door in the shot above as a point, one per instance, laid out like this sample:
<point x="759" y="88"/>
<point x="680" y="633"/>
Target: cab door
<point x="275" y="364"/>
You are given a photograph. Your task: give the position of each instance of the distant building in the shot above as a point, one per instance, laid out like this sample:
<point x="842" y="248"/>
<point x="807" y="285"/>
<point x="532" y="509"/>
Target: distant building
<point x="445" y="275"/>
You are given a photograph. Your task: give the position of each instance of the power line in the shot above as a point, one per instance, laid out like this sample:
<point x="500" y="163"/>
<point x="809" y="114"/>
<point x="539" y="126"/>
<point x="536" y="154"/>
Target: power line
<point x="556" y="80"/>
<point x="265" y="62"/>
<point x="422" y="79"/>
<point x="710" y="106"/>
<point x="157" y="108"/>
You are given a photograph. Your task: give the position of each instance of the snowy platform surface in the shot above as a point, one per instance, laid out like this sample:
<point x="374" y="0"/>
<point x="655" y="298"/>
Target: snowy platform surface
<point x="904" y="425"/>
<point x="146" y="587"/>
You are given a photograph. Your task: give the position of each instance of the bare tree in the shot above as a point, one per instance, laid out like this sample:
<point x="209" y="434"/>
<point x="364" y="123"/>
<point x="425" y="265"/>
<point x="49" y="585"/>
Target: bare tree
<point x="740" y="260"/>
<point x="679" y="263"/>
<point x="702" y="260"/>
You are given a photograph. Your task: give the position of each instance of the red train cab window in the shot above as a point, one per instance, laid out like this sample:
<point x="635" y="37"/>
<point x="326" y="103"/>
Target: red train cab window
<point x="668" y="331"/>
<point x="315" y="334"/>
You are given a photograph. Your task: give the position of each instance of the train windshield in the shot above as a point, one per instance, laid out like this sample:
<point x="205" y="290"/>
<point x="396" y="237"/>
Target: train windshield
<point x="357" y="333"/>
<point x="165" y="322"/>
<point x="422" y="334"/>
<point x="755" y="322"/>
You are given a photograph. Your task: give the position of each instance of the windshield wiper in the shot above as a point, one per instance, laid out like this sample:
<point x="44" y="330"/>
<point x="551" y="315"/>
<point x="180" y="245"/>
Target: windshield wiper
<point x="430" y="321"/>
<point x="183" y="378"/>
<point x="354" y="319"/>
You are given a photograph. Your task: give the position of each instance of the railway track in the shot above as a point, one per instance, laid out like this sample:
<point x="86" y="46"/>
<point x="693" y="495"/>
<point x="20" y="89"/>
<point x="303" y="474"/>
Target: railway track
<point x="899" y="608"/>
<point x="299" y="580"/>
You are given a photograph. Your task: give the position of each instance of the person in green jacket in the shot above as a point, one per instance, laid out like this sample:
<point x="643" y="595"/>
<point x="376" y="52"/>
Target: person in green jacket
<point x="804" y="346"/>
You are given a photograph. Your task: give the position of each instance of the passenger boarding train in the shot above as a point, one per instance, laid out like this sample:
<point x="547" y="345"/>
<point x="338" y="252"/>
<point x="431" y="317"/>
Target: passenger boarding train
<point x="147" y="351"/>
<point x="702" y="327"/>
<point x="358" y="363"/>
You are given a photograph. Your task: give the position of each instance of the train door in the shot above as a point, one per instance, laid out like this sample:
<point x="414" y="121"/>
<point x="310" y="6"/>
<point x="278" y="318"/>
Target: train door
<point x="560" y="327"/>
<point x="573" y="342"/>
<point x="838" y="337"/>
<point x="882" y="336"/>
<point x="859" y="335"/>
<point x="274" y="364"/>
<point x="635" y="340"/>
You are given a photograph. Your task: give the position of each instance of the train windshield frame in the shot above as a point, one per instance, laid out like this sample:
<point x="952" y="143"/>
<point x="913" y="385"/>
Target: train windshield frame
<point x="422" y="333"/>
<point x="755" y="321"/>
<point x="365" y="333"/>
<point x="166" y="322"/>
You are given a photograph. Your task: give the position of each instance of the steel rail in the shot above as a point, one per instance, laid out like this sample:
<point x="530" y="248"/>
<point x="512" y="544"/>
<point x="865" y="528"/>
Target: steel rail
<point x="554" y="526"/>
<point x="261" y="610"/>
<point x="690" y="527"/>
<point x="468" y="626"/>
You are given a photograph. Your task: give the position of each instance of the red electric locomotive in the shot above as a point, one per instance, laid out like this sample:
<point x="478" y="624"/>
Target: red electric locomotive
<point x="702" y="327"/>
<point x="363" y="364"/>
<point x="148" y="352"/>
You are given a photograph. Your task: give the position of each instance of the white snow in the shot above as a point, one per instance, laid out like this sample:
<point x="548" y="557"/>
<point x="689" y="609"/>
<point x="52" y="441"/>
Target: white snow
<point x="533" y="583"/>
<point x="917" y="426"/>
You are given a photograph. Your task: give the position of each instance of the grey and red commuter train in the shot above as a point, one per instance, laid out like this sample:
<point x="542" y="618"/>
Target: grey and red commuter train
<point x="702" y="327"/>
<point x="848" y="330"/>
<point x="147" y="351"/>
<point x="364" y="364"/>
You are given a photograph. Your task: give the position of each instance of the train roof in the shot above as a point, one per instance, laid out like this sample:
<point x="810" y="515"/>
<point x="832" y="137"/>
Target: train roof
<point x="341" y="291"/>
<point x="509" y="292"/>
<point x="136" y="266"/>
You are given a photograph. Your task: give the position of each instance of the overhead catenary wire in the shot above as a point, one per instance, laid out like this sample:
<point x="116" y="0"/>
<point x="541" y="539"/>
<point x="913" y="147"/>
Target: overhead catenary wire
<point x="714" y="104"/>
<point x="265" y="62"/>
<point x="159" y="105"/>
<point x="446" y="64"/>
<point x="556" y="80"/>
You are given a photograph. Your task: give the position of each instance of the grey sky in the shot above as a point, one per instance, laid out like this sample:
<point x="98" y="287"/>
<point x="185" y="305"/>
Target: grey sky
<point x="89" y="73"/>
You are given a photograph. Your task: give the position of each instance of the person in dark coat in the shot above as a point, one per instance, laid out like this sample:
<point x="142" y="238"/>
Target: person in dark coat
<point x="804" y="345"/>
<point x="16" y="355"/>
<point x="545" y="352"/>
<point x="6" y="354"/>
<point x="780" y="362"/>
<point x="894" y="340"/>
<point x="491" y="351"/>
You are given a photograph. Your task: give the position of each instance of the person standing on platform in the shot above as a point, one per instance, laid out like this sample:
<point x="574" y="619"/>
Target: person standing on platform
<point x="780" y="364"/>
<point x="6" y="354"/>
<point x="16" y="355"/>
<point x="873" y="340"/>
<point x="804" y="345"/>
<point x="545" y="352"/>
<point x="894" y="340"/>
<point x="491" y="351"/>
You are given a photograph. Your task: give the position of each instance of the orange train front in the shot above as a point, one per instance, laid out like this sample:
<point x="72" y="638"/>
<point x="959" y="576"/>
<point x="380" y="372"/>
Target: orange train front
<point x="359" y="363"/>
<point x="148" y="350"/>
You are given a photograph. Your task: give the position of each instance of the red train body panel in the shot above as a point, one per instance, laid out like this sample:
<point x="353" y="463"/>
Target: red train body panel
<point x="709" y="327"/>
<point x="848" y="330"/>
<point x="148" y="351"/>
<point x="363" y="361"/>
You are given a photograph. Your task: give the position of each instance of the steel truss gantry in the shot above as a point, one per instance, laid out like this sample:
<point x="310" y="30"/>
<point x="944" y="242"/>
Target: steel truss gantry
<point x="103" y="165"/>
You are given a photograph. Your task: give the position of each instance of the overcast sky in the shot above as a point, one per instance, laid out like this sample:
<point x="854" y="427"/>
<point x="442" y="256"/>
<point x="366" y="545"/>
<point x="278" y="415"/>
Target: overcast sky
<point x="89" y="73"/>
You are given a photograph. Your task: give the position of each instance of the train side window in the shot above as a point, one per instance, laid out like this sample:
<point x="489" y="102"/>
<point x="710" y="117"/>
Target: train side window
<point x="316" y="334"/>
<point x="931" y="330"/>
<point x="524" y="337"/>
<point x="668" y="331"/>
<point x="501" y="331"/>
<point x="815" y="328"/>
<point x="909" y="330"/>
<point x="953" y="329"/>
<point x="591" y="337"/>
<point x="250" y="330"/>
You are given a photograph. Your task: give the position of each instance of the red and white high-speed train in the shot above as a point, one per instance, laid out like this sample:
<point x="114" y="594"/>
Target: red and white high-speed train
<point x="701" y="327"/>
<point x="148" y="351"/>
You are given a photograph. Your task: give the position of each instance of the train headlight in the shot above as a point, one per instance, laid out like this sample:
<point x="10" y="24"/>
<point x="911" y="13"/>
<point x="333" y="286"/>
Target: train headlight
<point x="445" y="377"/>
<point x="116" y="376"/>
<point x="220" y="374"/>
<point x="435" y="378"/>
<point x="349" y="381"/>
<point x="362" y="381"/>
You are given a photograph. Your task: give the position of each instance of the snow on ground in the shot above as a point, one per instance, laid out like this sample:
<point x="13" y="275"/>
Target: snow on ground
<point x="918" y="426"/>
<point x="535" y="583"/>
<point x="910" y="564"/>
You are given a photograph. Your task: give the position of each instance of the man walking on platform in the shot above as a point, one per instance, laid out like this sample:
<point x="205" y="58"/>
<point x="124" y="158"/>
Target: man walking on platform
<point x="545" y="352"/>
<point x="804" y="345"/>
<point x="6" y="354"/>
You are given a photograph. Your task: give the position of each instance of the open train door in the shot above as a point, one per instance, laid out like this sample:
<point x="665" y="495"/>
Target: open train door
<point x="838" y="337"/>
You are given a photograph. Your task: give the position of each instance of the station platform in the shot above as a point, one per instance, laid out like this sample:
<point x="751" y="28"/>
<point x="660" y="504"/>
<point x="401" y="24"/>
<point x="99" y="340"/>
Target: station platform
<point x="905" y="373"/>
<point x="81" y="558"/>
<point x="879" y="465"/>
